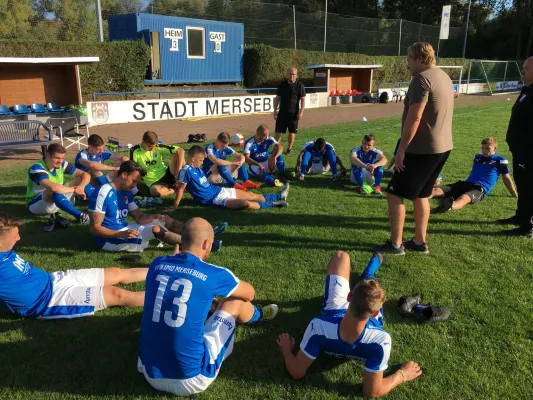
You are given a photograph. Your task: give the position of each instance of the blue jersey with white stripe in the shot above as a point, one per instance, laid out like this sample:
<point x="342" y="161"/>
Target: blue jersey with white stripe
<point x="114" y="205"/>
<point x="259" y="151"/>
<point x="316" y="156"/>
<point x="487" y="169"/>
<point x="84" y="154"/>
<point x="371" y="157"/>
<point x="197" y="184"/>
<point x="25" y="290"/>
<point x="373" y="346"/>
<point x="221" y="154"/>
<point x="179" y="293"/>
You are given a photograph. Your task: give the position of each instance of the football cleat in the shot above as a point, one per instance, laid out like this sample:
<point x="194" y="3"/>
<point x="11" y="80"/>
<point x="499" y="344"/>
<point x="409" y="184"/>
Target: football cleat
<point x="280" y="204"/>
<point x="269" y="312"/>
<point x="285" y="192"/>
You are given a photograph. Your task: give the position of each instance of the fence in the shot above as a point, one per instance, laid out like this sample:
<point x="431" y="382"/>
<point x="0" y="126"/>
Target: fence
<point x="276" y="25"/>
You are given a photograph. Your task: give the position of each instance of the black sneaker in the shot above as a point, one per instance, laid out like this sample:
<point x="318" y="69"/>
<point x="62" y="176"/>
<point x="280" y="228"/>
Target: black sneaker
<point x="525" y="232"/>
<point x="421" y="248"/>
<point x="508" y="221"/>
<point x="388" y="248"/>
<point x="430" y="314"/>
<point x="344" y="171"/>
<point x="60" y="221"/>
<point x="51" y="224"/>
<point x="289" y="152"/>
<point x="407" y="303"/>
<point x="444" y="205"/>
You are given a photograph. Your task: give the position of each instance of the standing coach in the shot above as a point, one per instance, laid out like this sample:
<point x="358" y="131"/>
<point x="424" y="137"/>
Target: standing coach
<point x="290" y="94"/>
<point x="425" y="146"/>
<point x="520" y="140"/>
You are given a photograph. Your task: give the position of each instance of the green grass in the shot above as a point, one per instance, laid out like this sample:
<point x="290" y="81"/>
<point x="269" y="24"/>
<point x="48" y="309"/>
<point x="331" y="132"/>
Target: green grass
<point x="483" y="352"/>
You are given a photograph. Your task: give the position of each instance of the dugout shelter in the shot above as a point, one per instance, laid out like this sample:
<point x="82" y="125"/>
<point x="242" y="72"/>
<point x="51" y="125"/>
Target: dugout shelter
<point x="342" y="78"/>
<point x="184" y="50"/>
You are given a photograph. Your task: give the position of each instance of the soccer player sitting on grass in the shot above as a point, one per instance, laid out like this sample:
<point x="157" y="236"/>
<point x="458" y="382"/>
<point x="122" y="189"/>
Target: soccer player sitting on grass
<point x="263" y="164"/>
<point x="28" y="291"/>
<point x="220" y="171"/>
<point x="149" y="154"/>
<point x="109" y="207"/>
<point x="351" y="327"/>
<point x="92" y="160"/>
<point x="193" y="178"/>
<point x="367" y="165"/>
<point x="179" y="351"/>
<point x="487" y="168"/>
<point x="318" y="157"/>
<point x="47" y="193"/>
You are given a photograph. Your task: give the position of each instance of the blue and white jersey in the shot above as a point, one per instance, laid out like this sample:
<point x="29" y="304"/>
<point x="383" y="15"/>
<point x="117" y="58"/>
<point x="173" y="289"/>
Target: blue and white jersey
<point x="84" y="154"/>
<point x="259" y="151"/>
<point x="373" y="346"/>
<point x="179" y="293"/>
<point x="368" y="158"/>
<point x="114" y="205"/>
<point x="316" y="156"/>
<point x="487" y="170"/>
<point x="197" y="184"/>
<point x="221" y="154"/>
<point x="25" y="290"/>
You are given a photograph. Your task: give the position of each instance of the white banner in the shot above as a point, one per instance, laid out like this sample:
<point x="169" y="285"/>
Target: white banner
<point x="118" y="112"/>
<point x="445" y="22"/>
<point x="509" y="85"/>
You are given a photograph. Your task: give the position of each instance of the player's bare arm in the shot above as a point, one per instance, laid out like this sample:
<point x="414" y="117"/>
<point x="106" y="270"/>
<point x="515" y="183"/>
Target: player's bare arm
<point x="375" y="385"/>
<point x="509" y="184"/>
<point x="96" y="228"/>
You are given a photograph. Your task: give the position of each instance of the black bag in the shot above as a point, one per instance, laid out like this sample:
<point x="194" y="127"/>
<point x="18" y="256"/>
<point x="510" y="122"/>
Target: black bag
<point x="384" y="97"/>
<point x="197" y="138"/>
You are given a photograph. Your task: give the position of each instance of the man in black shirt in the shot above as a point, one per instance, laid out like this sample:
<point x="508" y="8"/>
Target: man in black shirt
<point x="520" y="140"/>
<point x="288" y="96"/>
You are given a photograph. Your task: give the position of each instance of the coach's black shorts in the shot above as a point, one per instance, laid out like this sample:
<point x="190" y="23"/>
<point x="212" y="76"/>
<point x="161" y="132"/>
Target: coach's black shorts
<point x="457" y="189"/>
<point x="284" y="122"/>
<point x="167" y="180"/>
<point x="418" y="177"/>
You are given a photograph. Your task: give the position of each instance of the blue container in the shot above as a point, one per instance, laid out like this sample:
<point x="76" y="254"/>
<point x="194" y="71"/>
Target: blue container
<point x="185" y="50"/>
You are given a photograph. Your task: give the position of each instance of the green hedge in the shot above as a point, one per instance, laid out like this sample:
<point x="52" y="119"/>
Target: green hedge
<point x="122" y="65"/>
<point x="265" y="66"/>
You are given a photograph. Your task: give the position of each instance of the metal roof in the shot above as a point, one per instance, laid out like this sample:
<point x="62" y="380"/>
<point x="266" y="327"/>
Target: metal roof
<point x="343" y="66"/>
<point x="49" y="60"/>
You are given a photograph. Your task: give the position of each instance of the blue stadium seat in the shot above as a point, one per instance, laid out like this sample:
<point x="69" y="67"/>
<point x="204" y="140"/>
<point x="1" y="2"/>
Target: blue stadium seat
<point x="4" y="110"/>
<point x="37" y="108"/>
<point x="53" y="107"/>
<point x="20" y="109"/>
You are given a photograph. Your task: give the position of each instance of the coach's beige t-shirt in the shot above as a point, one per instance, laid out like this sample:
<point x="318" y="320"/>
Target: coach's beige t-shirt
<point x="434" y="134"/>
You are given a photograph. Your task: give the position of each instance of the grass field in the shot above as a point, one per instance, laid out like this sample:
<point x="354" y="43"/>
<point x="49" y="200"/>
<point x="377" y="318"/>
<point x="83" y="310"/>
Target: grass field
<point x="485" y="351"/>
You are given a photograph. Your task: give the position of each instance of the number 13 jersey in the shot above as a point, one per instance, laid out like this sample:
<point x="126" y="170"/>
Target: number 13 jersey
<point x="179" y="293"/>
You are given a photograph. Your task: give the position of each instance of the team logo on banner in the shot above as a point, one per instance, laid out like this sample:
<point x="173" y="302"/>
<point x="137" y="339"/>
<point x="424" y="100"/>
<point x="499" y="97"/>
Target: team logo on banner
<point x="313" y="99"/>
<point x="100" y="112"/>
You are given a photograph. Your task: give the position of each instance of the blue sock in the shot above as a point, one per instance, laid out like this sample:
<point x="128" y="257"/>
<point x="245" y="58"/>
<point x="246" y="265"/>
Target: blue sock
<point x="280" y="164"/>
<point x="358" y="175"/>
<point x="268" y="178"/>
<point x="223" y="171"/>
<point x="102" y="180"/>
<point x="88" y="189"/>
<point x="305" y="162"/>
<point x="243" y="173"/>
<point x="265" y="205"/>
<point x="61" y="201"/>
<point x="332" y="158"/>
<point x="258" y="316"/>
<point x="272" y="197"/>
<point x="371" y="268"/>
<point x="378" y="176"/>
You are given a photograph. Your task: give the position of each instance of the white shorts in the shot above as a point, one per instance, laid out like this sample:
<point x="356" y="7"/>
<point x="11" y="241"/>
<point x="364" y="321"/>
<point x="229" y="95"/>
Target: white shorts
<point x="224" y="195"/>
<point x="255" y="170"/>
<point x="336" y="292"/>
<point x="318" y="168"/>
<point x="38" y="206"/>
<point x="219" y="335"/>
<point x="76" y="293"/>
<point x="217" y="179"/>
<point x="135" y="245"/>
<point x="367" y="177"/>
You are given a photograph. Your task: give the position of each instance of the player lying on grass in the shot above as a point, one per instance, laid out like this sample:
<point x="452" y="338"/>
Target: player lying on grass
<point x="351" y="327"/>
<point x="318" y="157"/>
<point x="28" y="291"/>
<point x="192" y="178"/>
<point x="92" y="160"/>
<point x="367" y="164"/>
<point x="110" y="205"/>
<point x="221" y="171"/>
<point x="149" y="154"/>
<point x="179" y="351"/>
<point x="262" y="162"/>
<point x="46" y="191"/>
<point x="487" y="168"/>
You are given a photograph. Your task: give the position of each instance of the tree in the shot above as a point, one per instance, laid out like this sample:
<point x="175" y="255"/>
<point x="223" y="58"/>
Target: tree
<point x="16" y="19"/>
